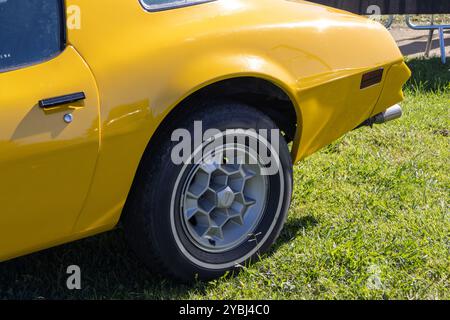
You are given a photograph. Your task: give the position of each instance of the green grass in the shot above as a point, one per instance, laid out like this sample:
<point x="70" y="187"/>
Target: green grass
<point x="370" y="219"/>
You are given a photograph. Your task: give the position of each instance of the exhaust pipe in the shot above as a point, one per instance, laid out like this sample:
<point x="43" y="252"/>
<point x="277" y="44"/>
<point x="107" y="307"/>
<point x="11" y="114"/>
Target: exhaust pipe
<point x="393" y="113"/>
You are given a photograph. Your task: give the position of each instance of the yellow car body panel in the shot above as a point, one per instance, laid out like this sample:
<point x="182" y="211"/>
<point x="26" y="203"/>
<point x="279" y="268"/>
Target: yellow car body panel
<point x="145" y="63"/>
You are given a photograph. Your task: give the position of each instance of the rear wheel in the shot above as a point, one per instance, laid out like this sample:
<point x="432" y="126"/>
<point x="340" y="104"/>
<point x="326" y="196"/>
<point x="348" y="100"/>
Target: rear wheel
<point x="220" y="207"/>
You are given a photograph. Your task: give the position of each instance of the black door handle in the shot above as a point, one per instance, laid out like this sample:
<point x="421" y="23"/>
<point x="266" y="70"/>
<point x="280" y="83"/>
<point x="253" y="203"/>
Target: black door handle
<point x="57" y="101"/>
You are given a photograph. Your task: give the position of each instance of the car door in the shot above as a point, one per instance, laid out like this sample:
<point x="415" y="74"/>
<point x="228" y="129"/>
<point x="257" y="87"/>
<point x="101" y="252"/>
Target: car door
<point x="49" y="127"/>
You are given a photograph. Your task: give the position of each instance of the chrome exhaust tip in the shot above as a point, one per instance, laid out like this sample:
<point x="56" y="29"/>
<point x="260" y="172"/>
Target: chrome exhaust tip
<point x="393" y="113"/>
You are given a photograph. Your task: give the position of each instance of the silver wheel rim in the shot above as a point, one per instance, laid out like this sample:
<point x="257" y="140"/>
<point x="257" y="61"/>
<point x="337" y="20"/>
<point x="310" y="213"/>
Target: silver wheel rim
<point x="222" y="202"/>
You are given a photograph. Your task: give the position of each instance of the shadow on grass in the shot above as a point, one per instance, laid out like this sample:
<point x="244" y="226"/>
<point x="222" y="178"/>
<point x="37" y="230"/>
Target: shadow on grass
<point x="293" y="228"/>
<point x="109" y="270"/>
<point x="428" y="75"/>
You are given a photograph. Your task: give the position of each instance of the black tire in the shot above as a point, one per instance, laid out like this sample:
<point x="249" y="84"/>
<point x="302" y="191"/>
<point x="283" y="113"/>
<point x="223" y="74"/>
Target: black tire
<point x="152" y="225"/>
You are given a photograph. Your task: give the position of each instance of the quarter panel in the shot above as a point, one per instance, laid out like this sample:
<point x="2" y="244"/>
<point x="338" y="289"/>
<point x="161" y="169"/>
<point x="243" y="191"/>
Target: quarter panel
<point x="146" y="63"/>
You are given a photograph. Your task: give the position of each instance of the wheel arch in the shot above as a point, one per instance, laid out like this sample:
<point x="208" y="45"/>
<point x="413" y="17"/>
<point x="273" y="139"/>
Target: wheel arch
<point x="267" y="94"/>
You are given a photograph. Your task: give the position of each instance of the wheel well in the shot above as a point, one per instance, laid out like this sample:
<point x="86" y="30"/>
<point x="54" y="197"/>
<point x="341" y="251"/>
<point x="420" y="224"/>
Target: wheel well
<point x="256" y="92"/>
<point x="259" y="93"/>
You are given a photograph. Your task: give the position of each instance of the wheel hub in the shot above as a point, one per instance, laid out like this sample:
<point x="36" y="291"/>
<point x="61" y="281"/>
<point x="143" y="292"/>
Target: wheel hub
<point x="222" y="204"/>
<point x="225" y="198"/>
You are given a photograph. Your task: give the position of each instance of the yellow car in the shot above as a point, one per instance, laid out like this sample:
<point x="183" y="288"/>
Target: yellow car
<point x="173" y="118"/>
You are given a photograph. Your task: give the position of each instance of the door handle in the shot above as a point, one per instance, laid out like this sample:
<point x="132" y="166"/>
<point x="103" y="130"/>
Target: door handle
<point x="61" y="100"/>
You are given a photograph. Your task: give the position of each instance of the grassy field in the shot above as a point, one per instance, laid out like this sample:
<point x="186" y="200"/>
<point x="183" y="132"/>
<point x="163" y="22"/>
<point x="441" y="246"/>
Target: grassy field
<point x="370" y="218"/>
